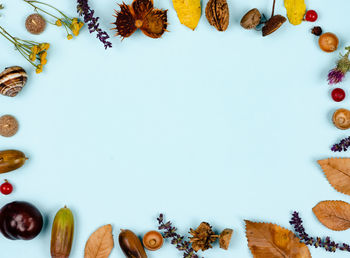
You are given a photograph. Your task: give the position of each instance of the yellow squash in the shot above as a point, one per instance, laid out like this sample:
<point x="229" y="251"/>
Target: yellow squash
<point x="295" y="10"/>
<point x="188" y="11"/>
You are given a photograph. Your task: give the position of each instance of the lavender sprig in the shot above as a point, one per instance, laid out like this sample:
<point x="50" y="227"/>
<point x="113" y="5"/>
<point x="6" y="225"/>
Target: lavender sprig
<point x="343" y="145"/>
<point x="325" y="243"/>
<point x="176" y="239"/>
<point x="84" y="10"/>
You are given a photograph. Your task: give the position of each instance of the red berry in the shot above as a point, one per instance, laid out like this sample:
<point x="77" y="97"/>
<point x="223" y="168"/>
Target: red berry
<point x="311" y="16"/>
<point x="338" y="94"/>
<point x="6" y="188"/>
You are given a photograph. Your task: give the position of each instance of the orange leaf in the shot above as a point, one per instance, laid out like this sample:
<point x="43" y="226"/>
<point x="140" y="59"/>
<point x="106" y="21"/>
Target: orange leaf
<point x="337" y="171"/>
<point x="272" y="241"/>
<point x="100" y="243"/>
<point x="334" y="215"/>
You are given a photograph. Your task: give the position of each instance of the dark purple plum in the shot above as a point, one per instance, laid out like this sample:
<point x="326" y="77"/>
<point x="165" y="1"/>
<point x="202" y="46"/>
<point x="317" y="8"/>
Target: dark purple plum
<point x="20" y="221"/>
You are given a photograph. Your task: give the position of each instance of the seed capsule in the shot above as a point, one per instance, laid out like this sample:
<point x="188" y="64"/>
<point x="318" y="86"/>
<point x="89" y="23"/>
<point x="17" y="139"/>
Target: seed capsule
<point x="11" y="160"/>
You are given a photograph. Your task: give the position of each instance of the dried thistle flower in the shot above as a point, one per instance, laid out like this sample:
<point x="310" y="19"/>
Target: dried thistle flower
<point x="140" y="15"/>
<point x="179" y="241"/>
<point x="337" y="74"/>
<point x="87" y="13"/>
<point x="325" y="243"/>
<point x="343" y="145"/>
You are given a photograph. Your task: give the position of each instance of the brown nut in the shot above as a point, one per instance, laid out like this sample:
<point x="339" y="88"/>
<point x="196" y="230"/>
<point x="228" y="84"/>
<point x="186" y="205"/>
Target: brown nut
<point x="153" y="240"/>
<point x="273" y="24"/>
<point x="251" y="19"/>
<point x="8" y="126"/>
<point x="131" y="245"/>
<point x="35" y="24"/>
<point x="341" y="119"/>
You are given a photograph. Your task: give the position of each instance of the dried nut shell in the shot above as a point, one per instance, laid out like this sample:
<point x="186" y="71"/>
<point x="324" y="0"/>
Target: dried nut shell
<point x="328" y="42"/>
<point x="218" y="14"/>
<point x="273" y="24"/>
<point x="35" y="24"/>
<point x="341" y="119"/>
<point x="225" y="238"/>
<point x="153" y="240"/>
<point x="8" y="126"/>
<point x="251" y="19"/>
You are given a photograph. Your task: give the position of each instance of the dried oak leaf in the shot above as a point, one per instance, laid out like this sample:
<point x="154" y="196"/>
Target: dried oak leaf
<point x="188" y="11"/>
<point x="140" y="15"/>
<point x="335" y="215"/>
<point x="218" y="14"/>
<point x="100" y="243"/>
<point x="337" y="171"/>
<point x="272" y="241"/>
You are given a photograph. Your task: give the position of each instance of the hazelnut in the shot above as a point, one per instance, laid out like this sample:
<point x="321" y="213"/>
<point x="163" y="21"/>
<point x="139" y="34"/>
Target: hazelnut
<point x="8" y="126"/>
<point x="328" y="42"/>
<point x="251" y="19"/>
<point x="153" y="240"/>
<point x="35" y="24"/>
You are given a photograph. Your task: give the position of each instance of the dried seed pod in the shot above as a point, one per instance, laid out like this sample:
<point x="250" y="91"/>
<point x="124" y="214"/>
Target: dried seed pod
<point x="273" y="24"/>
<point x="35" y="24"/>
<point x="12" y="80"/>
<point x="341" y="119"/>
<point x="251" y="19"/>
<point x="11" y="160"/>
<point x="140" y="15"/>
<point x="8" y="126"/>
<point x="218" y="14"/>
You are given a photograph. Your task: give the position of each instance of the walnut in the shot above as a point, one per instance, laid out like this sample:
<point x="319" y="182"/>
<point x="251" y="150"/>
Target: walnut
<point x="218" y="14"/>
<point x="202" y="237"/>
<point x="225" y="238"/>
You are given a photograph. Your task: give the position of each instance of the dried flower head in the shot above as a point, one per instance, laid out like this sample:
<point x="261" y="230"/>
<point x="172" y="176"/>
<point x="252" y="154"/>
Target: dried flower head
<point x="140" y="15"/>
<point x="343" y="145"/>
<point x="337" y="74"/>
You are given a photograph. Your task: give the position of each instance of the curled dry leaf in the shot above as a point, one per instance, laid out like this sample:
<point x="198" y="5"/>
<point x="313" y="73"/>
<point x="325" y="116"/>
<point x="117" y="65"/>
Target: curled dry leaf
<point x="100" y="243"/>
<point x="188" y="11"/>
<point x="337" y="171"/>
<point x="270" y="240"/>
<point x="335" y="215"/>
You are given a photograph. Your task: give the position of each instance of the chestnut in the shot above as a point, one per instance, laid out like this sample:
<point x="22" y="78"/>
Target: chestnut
<point x="20" y="220"/>
<point x="153" y="240"/>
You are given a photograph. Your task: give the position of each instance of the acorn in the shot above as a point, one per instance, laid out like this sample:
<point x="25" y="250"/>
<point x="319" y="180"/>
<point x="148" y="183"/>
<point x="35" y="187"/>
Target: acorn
<point x="11" y="160"/>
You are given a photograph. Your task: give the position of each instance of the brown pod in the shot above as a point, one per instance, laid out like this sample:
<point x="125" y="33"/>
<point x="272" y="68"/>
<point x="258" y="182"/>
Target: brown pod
<point x="11" y="160"/>
<point x="131" y="245"/>
<point x="341" y="119"/>
<point x="153" y="240"/>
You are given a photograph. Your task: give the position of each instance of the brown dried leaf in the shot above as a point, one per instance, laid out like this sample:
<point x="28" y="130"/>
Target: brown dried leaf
<point x="337" y="171"/>
<point x="335" y="215"/>
<point x="270" y="240"/>
<point x="100" y="243"/>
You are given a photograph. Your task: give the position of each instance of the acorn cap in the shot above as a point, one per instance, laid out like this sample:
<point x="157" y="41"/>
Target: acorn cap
<point x="273" y="24"/>
<point x="153" y="240"/>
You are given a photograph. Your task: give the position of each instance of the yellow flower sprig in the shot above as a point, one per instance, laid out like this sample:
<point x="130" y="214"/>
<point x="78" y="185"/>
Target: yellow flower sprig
<point x="71" y="25"/>
<point x="34" y="52"/>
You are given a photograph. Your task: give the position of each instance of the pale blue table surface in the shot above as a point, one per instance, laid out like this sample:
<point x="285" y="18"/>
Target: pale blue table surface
<point x="203" y="126"/>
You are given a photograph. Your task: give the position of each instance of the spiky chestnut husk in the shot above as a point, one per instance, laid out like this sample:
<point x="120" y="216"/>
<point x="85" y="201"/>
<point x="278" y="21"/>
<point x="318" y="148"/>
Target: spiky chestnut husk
<point x="140" y="15"/>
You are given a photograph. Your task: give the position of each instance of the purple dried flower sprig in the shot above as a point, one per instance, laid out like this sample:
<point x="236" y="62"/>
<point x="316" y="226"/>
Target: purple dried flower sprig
<point x="179" y="241"/>
<point x="84" y="10"/>
<point x="343" y="145"/>
<point x="337" y="74"/>
<point x="325" y="243"/>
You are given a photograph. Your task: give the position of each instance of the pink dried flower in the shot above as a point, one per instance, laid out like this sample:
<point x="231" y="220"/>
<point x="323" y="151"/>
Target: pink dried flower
<point x="337" y="74"/>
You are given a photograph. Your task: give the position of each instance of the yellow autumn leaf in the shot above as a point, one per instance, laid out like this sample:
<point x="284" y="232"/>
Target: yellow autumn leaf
<point x="188" y="11"/>
<point x="295" y="10"/>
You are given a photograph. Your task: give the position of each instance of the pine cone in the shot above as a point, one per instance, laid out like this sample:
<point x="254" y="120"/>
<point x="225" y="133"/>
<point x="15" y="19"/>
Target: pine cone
<point x="202" y="237"/>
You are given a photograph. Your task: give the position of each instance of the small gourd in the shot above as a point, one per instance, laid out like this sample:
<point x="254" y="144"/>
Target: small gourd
<point x="295" y="11"/>
<point x="12" y="81"/>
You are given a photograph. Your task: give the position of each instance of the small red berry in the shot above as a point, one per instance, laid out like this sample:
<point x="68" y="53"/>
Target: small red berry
<point x="338" y="94"/>
<point x="311" y="16"/>
<point x="6" y="188"/>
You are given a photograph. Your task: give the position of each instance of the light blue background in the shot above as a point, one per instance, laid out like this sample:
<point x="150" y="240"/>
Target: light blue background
<point x="203" y="126"/>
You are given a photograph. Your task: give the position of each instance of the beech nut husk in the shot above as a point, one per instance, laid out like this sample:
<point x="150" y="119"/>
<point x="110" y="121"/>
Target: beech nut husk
<point x="251" y="19"/>
<point x="218" y="14"/>
<point x="341" y="119"/>
<point x="273" y="24"/>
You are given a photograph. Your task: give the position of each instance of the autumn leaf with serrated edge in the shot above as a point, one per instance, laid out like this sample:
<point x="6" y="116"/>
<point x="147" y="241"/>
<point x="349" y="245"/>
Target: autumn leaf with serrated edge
<point x="270" y="240"/>
<point x="100" y="243"/>
<point x="337" y="171"/>
<point x="334" y="215"/>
